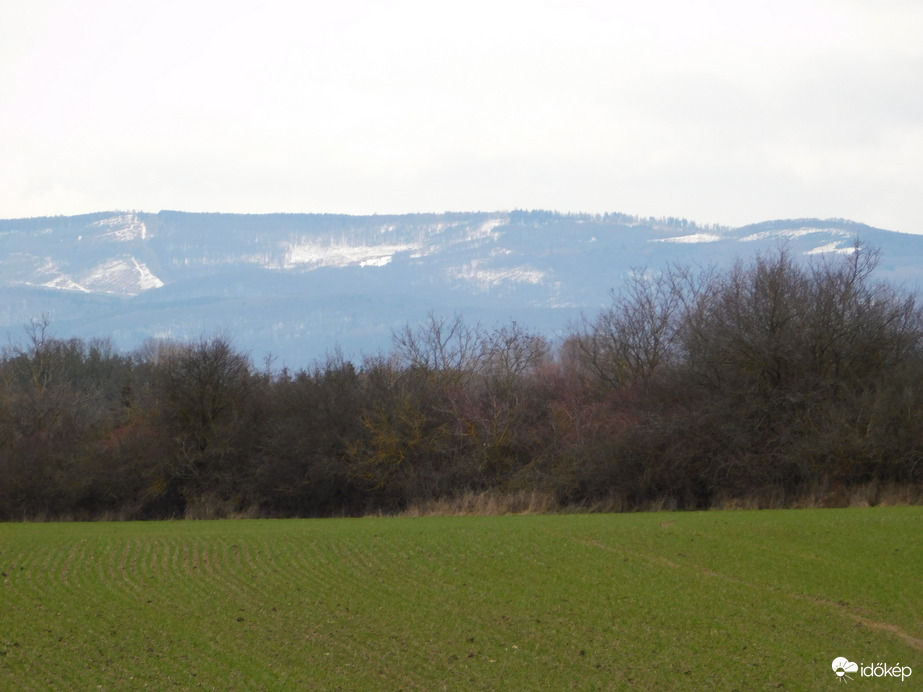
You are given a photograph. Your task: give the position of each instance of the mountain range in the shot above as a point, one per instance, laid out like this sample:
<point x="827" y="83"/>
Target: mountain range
<point x="300" y="285"/>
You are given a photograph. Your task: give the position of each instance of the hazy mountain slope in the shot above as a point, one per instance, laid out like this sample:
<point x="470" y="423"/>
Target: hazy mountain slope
<point x="299" y="285"/>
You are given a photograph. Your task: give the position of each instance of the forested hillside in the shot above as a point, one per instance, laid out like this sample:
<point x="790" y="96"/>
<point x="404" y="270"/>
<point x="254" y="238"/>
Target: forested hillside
<point x="761" y="384"/>
<point x="299" y="285"/>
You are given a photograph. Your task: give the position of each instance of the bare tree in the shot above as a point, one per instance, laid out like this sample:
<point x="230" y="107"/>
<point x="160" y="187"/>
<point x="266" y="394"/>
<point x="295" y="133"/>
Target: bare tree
<point x="511" y="353"/>
<point x="441" y="344"/>
<point x="635" y="335"/>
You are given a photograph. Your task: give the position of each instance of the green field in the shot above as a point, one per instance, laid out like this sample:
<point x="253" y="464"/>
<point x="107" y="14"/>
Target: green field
<point x="704" y="600"/>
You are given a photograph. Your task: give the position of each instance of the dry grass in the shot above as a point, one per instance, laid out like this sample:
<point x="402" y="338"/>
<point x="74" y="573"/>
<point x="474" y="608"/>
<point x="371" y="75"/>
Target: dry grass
<point x="828" y="496"/>
<point x="533" y="502"/>
<point x="526" y="502"/>
<point x="487" y="503"/>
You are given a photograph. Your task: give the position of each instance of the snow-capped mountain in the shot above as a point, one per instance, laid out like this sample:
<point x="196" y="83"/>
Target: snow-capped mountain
<point x="299" y="285"/>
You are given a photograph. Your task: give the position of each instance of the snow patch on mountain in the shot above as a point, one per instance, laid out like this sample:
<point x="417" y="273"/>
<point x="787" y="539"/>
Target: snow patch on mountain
<point x="487" y="278"/>
<point x="833" y="247"/>
<point x="488" y="229"/>
<point x="793" y="233"/>
<point x="65" y="283"/>
<point x="120" y="276"/>
<point x="146" y="278"/>
<point x="692" y="238"/>
<point x="48" y="274"/>
<point x="123" y="227"/>
<point x="312" y="255"/>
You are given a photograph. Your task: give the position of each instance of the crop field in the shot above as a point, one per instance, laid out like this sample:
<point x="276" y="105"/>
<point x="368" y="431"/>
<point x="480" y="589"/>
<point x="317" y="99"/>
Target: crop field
<point x="660" y="601"/>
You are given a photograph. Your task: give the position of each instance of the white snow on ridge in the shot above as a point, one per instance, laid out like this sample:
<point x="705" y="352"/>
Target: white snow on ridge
<point x="65" y="283"/>
<point x="692" y="238"/>
<point x="435" y="238"/>
<point x="316" y="255"/>
<point x="146" y="278"/>
<point x="376" y="261"/>
<point x="486" y="229"/>
<point x="794" y="233"/>
<point x="120" y="276"/>
<point x="54" y="277"/>
<point x="485" y="279"/>
<point x="124" y="227"/>
<point x="832" y="248"/>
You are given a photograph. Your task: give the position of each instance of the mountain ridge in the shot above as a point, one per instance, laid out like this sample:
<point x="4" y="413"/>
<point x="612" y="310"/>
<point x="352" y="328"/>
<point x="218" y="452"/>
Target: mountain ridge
<point x="299" y="285"/>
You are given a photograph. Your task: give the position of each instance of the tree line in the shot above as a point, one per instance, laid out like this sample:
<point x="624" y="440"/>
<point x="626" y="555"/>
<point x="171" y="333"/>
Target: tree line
<point x="694" y="387"/>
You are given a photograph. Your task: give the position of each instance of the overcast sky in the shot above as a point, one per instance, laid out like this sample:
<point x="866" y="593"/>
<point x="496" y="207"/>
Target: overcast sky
<point x="723" y="111"/>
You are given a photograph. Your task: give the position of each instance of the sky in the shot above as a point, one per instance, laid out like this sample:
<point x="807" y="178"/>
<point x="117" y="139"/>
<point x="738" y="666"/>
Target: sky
<point x="719" y="111"/>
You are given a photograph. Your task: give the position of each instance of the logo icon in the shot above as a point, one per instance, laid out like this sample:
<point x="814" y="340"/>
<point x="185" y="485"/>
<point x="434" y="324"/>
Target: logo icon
<point x="841" y="666"/>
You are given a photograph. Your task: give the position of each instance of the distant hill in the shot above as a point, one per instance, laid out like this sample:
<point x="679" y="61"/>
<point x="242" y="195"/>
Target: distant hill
<point x="299" y="285"/>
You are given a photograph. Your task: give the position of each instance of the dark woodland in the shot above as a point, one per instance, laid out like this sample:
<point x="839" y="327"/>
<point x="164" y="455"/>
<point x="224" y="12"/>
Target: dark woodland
<point x="767" y="384"/>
